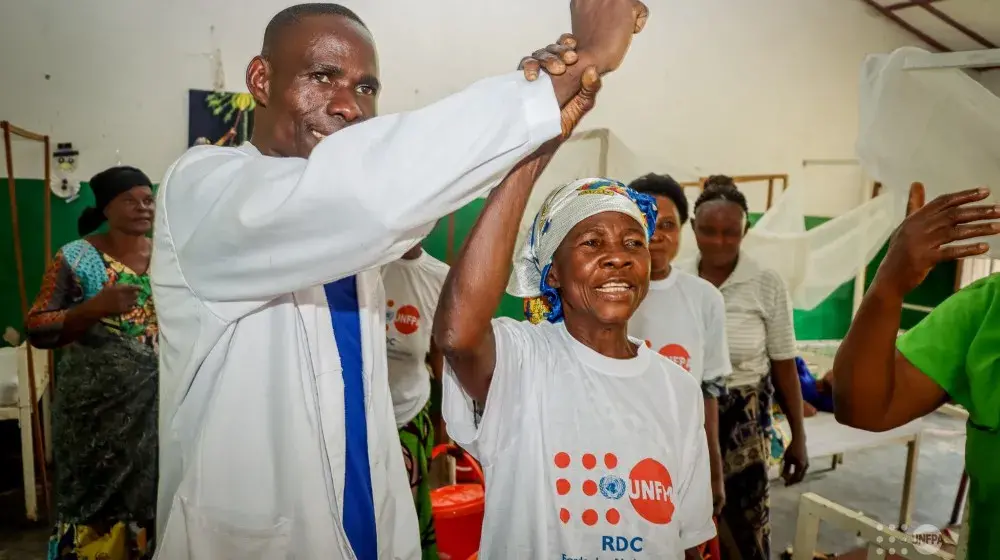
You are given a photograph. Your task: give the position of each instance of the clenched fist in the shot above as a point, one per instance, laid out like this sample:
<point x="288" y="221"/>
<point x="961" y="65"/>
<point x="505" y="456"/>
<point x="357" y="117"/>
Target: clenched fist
<point x="604" y="29"/>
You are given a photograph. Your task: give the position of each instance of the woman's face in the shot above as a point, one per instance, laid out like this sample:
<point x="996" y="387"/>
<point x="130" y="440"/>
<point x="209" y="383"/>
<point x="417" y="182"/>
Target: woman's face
<point x="718" y="228"/>
<point x="601" y="269"/>
<point x="666" y="238"/>
<point x="132" y="211"/>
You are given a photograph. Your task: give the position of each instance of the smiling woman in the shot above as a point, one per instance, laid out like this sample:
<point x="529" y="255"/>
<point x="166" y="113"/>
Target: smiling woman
<point x="567" y="405"/>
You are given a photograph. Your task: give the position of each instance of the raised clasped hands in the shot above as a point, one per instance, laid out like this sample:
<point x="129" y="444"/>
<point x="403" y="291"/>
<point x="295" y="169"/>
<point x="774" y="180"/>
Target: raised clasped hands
<point x="604" y="30"/>
<point x="607" y="27"/>
<point x="602" y="33"/>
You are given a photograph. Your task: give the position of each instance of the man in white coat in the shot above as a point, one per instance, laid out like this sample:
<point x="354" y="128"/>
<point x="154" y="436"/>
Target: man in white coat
<point x="277" y="435"/>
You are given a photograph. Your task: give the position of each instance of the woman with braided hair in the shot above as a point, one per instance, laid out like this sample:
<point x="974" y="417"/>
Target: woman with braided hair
<point x="762" y="350"/>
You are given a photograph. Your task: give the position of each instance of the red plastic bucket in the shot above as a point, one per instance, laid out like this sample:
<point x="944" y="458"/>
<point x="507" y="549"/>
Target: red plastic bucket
<point x="458" y="512"/>
<point x="458" y="519"/>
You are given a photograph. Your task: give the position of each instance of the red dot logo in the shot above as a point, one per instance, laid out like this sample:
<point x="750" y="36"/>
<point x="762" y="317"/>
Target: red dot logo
<point x="563" y="486"/>
<point x="610" y="460"/>
<point x="613" y="516"/>
<point x="677" y="354"/>
<point x="651" y="491"/>
<point x="562" y="459"/>
<point x="407" y="320"/>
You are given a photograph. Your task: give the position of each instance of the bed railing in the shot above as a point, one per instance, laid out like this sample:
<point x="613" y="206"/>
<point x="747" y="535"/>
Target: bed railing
<point x="925" y="543"/>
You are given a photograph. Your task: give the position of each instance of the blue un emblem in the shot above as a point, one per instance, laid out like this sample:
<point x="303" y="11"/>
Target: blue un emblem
<point x="612" y="487"/>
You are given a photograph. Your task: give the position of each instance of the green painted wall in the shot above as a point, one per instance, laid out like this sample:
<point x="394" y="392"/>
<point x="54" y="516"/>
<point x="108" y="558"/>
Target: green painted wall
<point x="30" y="197"/>
<point x="827" y="321"/>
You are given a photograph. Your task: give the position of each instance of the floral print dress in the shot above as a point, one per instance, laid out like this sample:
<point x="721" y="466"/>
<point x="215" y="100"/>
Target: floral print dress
<point x="104" y="415"/>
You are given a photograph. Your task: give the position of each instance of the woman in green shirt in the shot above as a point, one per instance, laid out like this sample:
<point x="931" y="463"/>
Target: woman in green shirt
<point x="953" y="354"/>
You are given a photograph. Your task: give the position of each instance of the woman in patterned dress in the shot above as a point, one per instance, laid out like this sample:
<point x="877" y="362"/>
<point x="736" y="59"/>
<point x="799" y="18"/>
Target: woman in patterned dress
<point x="95" y="305"/>
<point x="762" y="349"/>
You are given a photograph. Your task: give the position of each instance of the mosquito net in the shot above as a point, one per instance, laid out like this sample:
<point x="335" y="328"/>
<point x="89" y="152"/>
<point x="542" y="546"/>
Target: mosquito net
<point x="940" y="127"/>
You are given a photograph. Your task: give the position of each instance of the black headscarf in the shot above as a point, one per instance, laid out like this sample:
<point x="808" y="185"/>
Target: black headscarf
<point x="106" y="185"/>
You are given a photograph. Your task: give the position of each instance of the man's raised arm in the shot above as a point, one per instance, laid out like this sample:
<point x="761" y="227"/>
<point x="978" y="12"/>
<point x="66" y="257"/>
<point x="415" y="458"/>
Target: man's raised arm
<point x="256" y="227"/>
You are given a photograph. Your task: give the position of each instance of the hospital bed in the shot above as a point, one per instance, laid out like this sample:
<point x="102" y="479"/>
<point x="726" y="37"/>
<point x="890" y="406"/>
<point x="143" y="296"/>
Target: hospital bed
<point x="881" y="542"/>
<point x="828" y="438"/>
<point x="15" y="404"/>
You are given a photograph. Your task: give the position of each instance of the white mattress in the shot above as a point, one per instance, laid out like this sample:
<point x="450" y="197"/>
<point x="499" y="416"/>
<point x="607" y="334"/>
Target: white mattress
<point x="8" y="377"/>
<point x="818" y="355"/>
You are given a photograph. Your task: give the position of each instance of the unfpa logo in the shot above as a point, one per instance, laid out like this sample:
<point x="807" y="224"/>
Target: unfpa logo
<point x="649" y="488"/>
<point x="406" y="319"/>
<point x="678" y="355"/>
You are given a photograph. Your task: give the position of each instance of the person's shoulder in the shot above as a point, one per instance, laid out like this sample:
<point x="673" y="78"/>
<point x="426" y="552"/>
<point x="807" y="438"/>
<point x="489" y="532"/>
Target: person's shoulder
<point x="75" y="249"/>
<point x="989" y="285"/>
<point x="971" y="304"/>
<point x="697" y="285"/>
<point x="685" y="385"/>
<point x="688" y="265"/>
<point x="197" y="153"/>
<point x="76" y="246"/>
<point x="769" y="277"/>
<point x="434" y="266"/>
<point x="203" y="158"/>
<point x="523" y="326"/>
<point x="527" y="334"/>
<point x="768" y="282"/>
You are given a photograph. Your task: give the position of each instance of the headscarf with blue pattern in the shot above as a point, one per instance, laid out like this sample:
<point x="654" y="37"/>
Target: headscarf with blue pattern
<point x="562" y="210"/>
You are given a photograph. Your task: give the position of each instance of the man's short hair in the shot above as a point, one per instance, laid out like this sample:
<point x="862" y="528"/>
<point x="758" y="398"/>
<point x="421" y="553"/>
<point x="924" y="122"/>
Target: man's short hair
<point x="664" y="185"/>
<point x="292" y="15"/>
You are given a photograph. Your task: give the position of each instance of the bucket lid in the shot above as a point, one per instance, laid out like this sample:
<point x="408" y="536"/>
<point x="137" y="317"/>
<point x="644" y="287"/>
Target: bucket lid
<point x="457" y="499"/>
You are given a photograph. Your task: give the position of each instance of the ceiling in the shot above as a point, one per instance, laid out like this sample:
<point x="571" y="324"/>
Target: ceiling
<point x="946" y="25"/>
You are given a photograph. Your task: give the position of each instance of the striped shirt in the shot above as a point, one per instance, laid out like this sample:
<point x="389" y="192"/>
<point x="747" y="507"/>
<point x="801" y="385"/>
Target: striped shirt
<point x="759" y="324"/>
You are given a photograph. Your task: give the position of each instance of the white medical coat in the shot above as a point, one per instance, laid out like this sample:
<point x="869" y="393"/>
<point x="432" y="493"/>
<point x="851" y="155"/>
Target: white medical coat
<point x="252" y="442"/>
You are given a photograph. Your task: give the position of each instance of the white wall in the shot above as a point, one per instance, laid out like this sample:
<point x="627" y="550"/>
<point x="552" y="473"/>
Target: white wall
<point x="733" y="86"/>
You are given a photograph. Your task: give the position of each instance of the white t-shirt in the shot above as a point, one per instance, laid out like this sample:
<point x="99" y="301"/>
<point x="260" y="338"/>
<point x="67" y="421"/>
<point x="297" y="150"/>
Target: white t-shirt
<point x="759" y="323"/>
<point x="684" y="318"/>
<point x="585" y="456"/>
<point x="412" y="289"/>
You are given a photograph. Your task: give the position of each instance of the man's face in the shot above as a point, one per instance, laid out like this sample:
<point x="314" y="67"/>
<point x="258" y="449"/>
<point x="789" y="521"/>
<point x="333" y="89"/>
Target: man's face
<point x="320" y="76"/>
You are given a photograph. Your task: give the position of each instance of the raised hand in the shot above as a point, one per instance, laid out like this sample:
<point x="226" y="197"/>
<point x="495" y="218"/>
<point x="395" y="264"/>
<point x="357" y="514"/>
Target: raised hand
<point x="919" y="243"/>
<point x="604" y="29"/>
<point x="553" y="59"/>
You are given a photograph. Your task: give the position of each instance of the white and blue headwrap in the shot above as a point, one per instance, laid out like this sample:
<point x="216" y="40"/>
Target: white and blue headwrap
<point x="562" y="210"/>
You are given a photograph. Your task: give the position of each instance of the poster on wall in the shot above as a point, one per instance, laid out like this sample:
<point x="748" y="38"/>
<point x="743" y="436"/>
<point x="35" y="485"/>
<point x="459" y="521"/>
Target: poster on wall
<point x="222" y="118"/>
